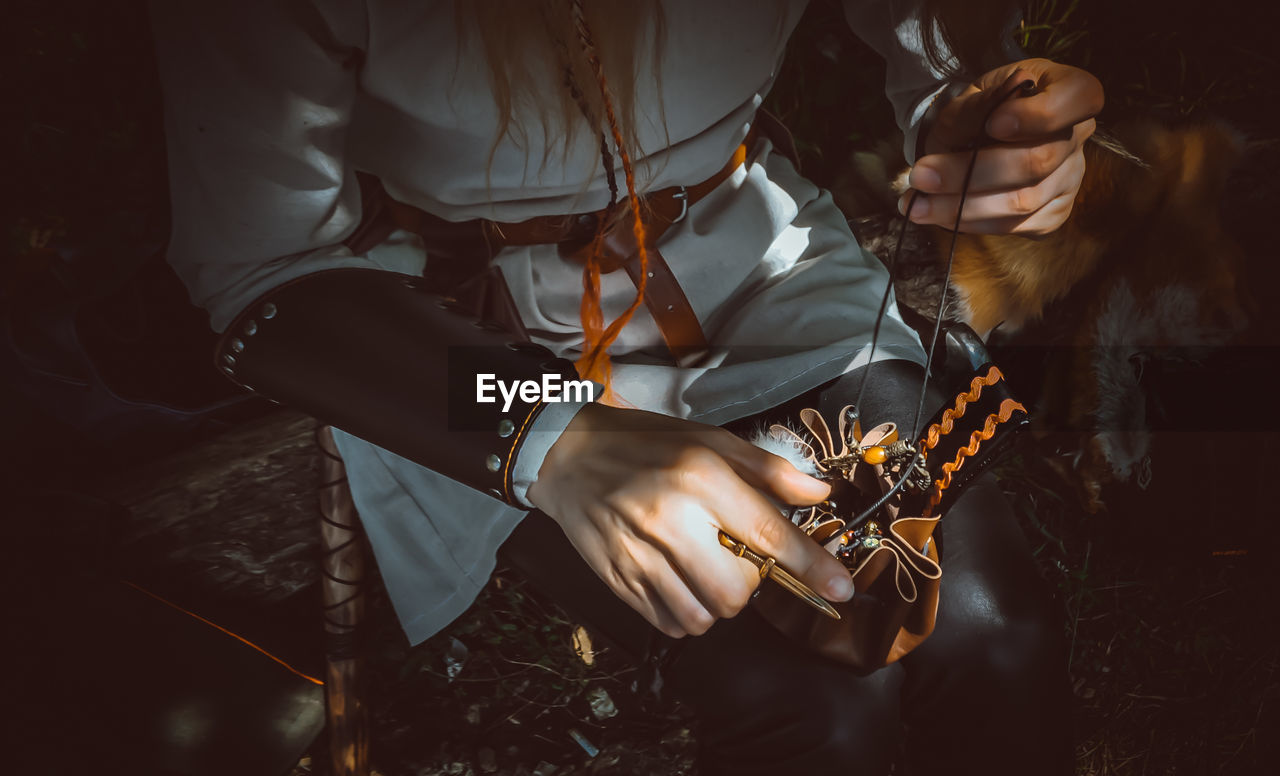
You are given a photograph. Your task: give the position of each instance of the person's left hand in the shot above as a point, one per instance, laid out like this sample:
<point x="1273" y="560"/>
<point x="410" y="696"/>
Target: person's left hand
<point x="1024" y="182"/>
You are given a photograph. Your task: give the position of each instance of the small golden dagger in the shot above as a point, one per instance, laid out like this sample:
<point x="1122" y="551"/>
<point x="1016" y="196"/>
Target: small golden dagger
<point x="769" y="568"/>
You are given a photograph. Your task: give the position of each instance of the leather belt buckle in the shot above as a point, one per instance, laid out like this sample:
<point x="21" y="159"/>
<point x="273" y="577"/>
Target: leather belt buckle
<point x="682" y="196"/>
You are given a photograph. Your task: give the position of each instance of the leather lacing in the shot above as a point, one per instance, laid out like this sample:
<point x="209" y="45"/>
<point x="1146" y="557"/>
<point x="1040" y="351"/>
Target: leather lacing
<point x="342" y="639"/>
<point x="1021" y="87"/>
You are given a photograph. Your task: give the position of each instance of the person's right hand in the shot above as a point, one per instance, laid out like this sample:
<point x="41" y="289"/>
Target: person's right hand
<point x="643" y="496"/>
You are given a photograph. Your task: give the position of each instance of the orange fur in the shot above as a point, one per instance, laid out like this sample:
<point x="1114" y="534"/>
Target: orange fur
<point x="1009" y="280"/>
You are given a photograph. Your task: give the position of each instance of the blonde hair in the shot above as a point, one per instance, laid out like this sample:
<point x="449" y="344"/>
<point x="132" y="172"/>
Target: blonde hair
<point x="589" y="59"/>
<point x="539" y="72"/>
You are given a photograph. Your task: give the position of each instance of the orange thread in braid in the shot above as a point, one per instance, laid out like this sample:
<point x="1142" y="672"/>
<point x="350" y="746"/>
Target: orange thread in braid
<point x="988" y="430"/>
<point x="947" y="422"/>
<point x="594" y="363"/>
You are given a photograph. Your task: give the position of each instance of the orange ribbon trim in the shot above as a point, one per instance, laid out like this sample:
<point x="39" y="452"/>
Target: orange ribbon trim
<point x="988" y="430"/>
<point x="947" y="422"/>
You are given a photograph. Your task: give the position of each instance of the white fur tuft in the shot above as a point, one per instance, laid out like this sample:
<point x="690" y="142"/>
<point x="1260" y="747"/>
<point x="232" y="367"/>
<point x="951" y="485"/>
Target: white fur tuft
<point x="901" y="184"/>
<point x="784" y="446"/>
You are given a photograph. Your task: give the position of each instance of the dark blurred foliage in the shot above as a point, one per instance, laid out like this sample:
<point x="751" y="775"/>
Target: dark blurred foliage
<point x="83" y="141"/>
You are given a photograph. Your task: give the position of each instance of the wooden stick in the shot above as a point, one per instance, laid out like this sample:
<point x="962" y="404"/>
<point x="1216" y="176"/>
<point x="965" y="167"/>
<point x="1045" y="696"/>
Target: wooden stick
<point x="343" y="543"/>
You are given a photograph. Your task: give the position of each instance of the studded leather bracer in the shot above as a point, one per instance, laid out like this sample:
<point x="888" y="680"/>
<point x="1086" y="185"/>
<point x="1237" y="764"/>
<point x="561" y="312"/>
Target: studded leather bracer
<point x="374" y="354"/>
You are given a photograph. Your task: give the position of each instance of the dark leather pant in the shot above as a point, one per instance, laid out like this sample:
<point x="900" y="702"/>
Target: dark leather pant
<point x="986" y="692"/>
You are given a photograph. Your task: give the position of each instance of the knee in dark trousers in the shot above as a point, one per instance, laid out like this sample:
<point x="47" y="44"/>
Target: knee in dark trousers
<point x="771" y="707"/>
<point x="990" y="683"/>
<point x="1010" y="659"/>
<point x="1001" y="699"/>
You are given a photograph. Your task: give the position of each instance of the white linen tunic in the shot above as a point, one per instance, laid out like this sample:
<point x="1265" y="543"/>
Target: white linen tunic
<point x="272" y="105"/>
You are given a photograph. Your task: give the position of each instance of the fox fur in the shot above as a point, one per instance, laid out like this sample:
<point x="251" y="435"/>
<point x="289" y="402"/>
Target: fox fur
<point x="1141" y="266"/>
<point x="1161" y="199"/>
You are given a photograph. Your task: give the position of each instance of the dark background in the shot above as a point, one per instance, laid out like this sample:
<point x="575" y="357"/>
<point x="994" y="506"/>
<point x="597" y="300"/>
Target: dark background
<point x="1166" y="596"/>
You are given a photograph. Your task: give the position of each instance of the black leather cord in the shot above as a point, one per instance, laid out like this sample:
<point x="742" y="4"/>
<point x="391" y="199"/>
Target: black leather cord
<point x="1018" y="89"/>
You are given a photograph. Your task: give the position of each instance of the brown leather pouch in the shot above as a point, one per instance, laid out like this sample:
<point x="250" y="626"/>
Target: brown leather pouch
<point x="892" y="554"/>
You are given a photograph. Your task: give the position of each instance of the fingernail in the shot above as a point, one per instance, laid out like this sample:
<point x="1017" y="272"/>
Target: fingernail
<point x="817" y="485"/>
<point x="925" y="178"/>
<point x="918" y="210"/>
<point x="1004" y="125"/>
<point x="840" y="588"/>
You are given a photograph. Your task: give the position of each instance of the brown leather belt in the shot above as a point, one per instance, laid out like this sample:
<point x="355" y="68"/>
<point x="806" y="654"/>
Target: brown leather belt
<point x="465" y="245"/>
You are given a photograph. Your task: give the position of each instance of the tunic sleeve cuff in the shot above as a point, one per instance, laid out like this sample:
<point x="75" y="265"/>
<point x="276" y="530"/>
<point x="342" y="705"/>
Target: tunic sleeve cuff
<point x="542" y="434"/>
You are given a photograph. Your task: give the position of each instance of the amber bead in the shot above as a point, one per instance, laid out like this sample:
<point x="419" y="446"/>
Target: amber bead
<point x="874" y="455"/>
